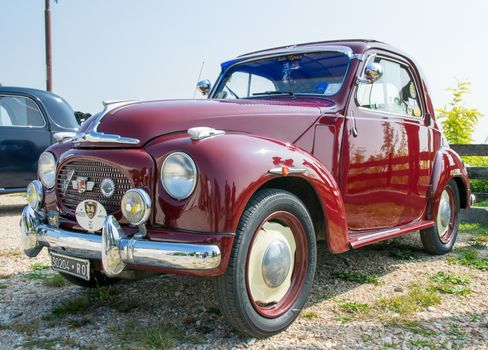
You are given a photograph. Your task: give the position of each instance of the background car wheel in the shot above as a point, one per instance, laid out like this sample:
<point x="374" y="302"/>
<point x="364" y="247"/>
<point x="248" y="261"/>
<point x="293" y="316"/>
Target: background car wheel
<point x="97" y="279"/>
<point x="440" y="238"/>
<point x="272" y="265"/>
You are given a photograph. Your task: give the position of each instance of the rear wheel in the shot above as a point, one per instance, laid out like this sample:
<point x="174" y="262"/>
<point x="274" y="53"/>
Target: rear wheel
<point x="272" y="265"/>
<point x="441" y="238"/>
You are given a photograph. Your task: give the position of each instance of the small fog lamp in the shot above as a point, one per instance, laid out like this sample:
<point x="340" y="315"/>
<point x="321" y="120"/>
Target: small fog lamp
<point x="35" y="195"/>
<point x="136" y="206"/>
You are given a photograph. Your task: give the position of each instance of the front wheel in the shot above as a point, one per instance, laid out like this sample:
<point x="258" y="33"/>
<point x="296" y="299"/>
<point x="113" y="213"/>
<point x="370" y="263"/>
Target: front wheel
<point x="440" y="238"/>
<point x="272" y="265"/>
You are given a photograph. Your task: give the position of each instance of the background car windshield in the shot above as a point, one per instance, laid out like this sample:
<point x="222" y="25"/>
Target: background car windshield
<point x="319" y="74"/>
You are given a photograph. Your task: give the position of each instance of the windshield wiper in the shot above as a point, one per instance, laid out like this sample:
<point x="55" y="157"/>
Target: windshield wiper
<point x="274" y="93"/>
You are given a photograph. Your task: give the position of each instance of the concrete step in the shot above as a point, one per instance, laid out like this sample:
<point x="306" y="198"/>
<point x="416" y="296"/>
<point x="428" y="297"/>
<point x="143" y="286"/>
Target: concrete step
<point x="474" y="215"/>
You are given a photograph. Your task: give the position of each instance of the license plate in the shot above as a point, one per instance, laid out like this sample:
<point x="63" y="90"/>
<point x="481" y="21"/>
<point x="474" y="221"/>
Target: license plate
<point x="70" y="265"/>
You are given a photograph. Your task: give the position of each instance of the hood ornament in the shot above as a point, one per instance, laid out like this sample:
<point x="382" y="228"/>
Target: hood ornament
<point x="100" y="137"/>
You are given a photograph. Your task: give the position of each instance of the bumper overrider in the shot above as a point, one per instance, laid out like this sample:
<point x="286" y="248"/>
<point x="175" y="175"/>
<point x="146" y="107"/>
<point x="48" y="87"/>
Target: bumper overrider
<point x="114" y="248"/>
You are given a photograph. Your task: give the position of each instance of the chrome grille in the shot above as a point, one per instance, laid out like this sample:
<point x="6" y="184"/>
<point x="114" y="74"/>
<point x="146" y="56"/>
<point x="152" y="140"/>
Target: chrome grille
<point x="96" y="172"/>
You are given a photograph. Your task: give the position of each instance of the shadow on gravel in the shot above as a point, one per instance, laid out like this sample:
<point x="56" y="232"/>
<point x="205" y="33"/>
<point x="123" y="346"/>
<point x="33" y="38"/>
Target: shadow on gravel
<point x="189" y="304"/>
<point x="11" y="209"/>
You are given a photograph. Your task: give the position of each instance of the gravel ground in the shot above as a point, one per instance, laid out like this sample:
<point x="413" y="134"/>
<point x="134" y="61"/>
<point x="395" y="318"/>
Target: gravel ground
<point x="356" y="303"/>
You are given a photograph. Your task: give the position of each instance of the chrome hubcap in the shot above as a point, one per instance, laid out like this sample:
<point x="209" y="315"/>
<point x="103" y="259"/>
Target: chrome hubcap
<point x="270" y="263"/>
<point x="276" y="263"/>
<point x="444" y="214"/>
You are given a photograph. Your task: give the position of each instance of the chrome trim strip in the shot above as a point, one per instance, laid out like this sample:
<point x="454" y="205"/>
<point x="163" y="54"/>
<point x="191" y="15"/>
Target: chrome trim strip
<point x="95" y="136"/>
<point x="380" y="233"/>
<point x="291" y="170"/>
<point x="110" y="105"/>
<point x="100" y="137"/>
<point x="114" y="247"/>
<point x="358" y="56"/>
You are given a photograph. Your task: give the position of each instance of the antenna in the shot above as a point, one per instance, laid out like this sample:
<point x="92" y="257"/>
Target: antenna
<point x="199" y="77"/>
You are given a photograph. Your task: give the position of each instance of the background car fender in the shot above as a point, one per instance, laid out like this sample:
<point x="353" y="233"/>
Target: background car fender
<point x="232" y="167"/>
<point x="448" y="165"/>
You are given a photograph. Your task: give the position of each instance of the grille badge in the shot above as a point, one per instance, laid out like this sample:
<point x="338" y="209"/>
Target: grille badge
<point x="107" y="187"/>
<point x="82" y="184"/>
<point x="66" y="181"/>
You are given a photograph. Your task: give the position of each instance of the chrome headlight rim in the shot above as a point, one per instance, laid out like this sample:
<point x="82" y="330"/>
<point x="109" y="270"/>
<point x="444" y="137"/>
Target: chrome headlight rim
<point x="146" y="200"/>
<point x="193" y="168"/>
<point x="52" y="160"/>
<point x="39" y="195"/>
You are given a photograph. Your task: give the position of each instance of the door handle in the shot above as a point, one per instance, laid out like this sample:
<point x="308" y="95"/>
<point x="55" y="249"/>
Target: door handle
<point x="354" y="125"/>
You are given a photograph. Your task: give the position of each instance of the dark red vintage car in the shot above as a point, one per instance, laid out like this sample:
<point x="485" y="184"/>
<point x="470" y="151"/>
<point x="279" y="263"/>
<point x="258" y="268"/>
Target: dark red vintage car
<point x="332" y="140"/>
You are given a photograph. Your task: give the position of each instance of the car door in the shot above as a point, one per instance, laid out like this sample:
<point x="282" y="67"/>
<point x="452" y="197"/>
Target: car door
<point x="24" y="134"/>
<point x="385" y="167"/>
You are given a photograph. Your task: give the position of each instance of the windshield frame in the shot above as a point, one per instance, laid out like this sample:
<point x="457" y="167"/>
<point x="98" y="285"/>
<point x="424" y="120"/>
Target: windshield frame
<point x="289" y="51"/>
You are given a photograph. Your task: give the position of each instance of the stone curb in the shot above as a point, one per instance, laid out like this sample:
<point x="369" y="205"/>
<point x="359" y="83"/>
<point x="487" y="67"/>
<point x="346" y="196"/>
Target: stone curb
<point x="474" y="215"/>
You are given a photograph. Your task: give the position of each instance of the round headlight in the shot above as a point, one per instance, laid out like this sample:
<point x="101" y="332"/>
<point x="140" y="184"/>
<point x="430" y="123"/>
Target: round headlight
<point x="179" y="175"/>
<point x="35" y="195"/>
<point x="47" y="169"/>
<point x="136" y="206"/>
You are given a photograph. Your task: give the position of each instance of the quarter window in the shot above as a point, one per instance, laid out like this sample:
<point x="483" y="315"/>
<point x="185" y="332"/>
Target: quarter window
<point x="18" y="111"/>
<point x="395" y="92"/>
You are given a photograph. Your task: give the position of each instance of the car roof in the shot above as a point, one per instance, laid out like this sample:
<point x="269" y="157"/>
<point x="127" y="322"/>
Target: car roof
<point x="357" y="45"/>
<point x="49" y="102"/>
<point x="26" y="90"/>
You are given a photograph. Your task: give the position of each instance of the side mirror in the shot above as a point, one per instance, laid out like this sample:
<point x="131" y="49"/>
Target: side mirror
<point x="372" y="73"/>
<point x="204" y="86"/>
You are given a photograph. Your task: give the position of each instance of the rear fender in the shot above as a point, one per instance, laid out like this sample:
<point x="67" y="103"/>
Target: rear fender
<point x="448" y="165"/>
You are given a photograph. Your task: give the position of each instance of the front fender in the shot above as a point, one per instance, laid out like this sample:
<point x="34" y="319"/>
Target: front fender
<point x="448" y="165"/>
<point x="232" y="167"/>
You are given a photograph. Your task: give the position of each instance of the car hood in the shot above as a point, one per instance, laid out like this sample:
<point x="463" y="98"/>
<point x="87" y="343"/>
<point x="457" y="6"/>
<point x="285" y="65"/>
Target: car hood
<point x="281" y="119"/>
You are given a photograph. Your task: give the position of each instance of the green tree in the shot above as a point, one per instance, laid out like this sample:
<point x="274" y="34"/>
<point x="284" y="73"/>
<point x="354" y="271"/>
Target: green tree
<point x="459" y="121"/>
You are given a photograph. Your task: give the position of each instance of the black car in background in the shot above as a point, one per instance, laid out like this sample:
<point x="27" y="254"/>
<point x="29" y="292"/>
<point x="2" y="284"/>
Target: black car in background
<point x="30" y="121"/>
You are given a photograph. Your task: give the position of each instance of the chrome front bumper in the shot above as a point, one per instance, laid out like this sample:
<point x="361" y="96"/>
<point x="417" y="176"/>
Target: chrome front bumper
<point x="114" y="248"/>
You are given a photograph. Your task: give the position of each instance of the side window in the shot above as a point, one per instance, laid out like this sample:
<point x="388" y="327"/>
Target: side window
<point x="245" y="85"/>
<point x="394" y="93"/>
<point x="18" y="111"/>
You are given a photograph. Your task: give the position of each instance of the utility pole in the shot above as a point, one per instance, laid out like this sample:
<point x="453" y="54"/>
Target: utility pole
<point x="47" y="22"/>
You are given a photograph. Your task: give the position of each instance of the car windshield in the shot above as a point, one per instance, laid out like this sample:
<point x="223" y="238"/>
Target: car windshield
<point x="317" y="74"/>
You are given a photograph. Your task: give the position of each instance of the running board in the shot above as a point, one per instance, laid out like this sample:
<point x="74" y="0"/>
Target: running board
<point x="360" y="239"/>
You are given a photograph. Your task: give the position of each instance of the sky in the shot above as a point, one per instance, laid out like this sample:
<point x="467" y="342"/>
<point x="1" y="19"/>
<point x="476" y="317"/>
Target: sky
<point x="154" y="49"/>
